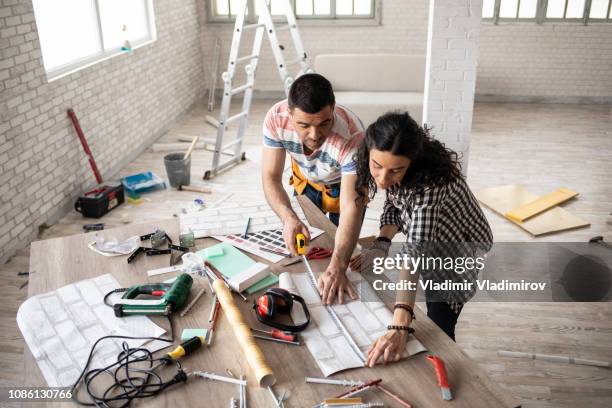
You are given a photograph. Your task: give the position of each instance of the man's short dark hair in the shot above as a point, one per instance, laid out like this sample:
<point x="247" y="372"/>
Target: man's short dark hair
<point x="311" y="93"/>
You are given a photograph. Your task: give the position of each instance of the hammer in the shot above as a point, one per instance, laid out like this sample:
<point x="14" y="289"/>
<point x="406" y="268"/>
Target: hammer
<point x="600" y="241"/>
<point x="195" y="189"/>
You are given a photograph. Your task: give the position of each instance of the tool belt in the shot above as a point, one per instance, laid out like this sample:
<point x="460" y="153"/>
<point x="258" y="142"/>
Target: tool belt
<point x="331" y="204"/>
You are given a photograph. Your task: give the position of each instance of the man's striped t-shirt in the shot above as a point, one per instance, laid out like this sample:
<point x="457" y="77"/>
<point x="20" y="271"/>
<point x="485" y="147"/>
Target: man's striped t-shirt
<point x="329" y="162"/>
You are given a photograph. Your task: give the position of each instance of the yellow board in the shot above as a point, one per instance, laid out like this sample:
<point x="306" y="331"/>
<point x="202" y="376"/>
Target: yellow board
<point x="505" y="198"/>
<point x="541" y="204"/>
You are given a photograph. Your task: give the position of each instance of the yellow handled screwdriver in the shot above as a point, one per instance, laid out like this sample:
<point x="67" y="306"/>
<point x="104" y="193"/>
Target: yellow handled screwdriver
<point x="185" y="348"/>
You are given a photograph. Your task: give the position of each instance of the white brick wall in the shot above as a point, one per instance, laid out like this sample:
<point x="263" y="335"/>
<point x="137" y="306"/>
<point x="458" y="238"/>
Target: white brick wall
<point x="122" y="104"/>
<point x="551" y="60"/>
<point x="403" y="29"/>
<point x="450" y="79"/>
<point x="518" y="59"/>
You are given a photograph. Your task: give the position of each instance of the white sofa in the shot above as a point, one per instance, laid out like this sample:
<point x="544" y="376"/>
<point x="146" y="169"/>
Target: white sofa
<point x="372" y="84"/>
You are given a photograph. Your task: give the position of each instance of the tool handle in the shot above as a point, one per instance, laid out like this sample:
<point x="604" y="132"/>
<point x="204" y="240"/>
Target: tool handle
<point x="197" y="189"/>
<point x="187" y="347"/>
<point x="440" y="371"/>
<point x="191" y="146"/>
<point x="281" y="335"/>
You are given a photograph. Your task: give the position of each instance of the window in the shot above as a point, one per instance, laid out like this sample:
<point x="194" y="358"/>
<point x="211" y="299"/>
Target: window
<point x="76" y="33"/>
<point x="584" y="11"/>
<point x="357" y="10"/>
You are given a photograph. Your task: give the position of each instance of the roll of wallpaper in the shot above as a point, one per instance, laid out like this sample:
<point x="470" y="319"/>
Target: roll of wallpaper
<point x="242" y="331"/>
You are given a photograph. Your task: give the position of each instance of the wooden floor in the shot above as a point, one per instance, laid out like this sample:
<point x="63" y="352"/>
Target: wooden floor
<point x="540" y="146"/>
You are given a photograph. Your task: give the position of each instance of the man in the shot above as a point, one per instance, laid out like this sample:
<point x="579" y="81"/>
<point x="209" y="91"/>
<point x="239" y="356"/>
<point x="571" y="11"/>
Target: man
<point x="321" y="139"/>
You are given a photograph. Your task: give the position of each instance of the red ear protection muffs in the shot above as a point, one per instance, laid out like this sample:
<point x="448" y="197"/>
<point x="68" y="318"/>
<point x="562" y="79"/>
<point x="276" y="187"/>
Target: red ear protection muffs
<point x="277" y="300"/>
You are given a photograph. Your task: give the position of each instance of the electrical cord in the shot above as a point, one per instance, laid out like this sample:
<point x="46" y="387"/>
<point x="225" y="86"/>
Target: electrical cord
<point x="130" y="382"/>
<point x="118" y="290"/>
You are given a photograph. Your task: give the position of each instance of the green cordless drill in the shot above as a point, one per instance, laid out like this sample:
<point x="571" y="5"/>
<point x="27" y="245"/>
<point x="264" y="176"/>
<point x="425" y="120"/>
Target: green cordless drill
<point x="168" y="298"/>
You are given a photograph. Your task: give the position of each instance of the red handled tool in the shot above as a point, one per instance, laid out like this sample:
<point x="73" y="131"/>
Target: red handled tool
<point x="318" y="253"/>
<point x="442" y="377"/>
<point x="279" y="334"/>
<point x="314" y="253"/>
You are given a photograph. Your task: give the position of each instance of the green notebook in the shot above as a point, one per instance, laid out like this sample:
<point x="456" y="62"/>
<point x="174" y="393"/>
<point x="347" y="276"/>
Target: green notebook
<point x="232" y="262"/>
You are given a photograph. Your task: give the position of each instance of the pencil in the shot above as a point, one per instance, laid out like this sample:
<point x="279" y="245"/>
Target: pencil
<point x="215" y="314"/>
<point x="246" y="229"/>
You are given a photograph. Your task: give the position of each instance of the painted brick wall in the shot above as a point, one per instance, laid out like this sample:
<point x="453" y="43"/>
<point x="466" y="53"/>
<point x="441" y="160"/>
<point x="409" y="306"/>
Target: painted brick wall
<point x="527" y="59"/>
<point x="450" y="77"/>
<point x="123" y="104"/>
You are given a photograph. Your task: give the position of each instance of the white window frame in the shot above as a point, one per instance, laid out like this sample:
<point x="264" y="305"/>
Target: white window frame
<point x="76" y="65"/>
<point x="332" y="19"/>
<point x="540" y="16"/>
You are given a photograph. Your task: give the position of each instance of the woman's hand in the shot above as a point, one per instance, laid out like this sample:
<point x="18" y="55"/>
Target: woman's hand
<point x="392" y="344"/>
<point x="389" y="346"/>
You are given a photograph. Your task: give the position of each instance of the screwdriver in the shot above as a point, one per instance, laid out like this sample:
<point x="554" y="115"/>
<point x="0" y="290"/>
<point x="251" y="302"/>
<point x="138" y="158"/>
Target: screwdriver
<point x="185" y="348"/>
<point x="279" y="334"/>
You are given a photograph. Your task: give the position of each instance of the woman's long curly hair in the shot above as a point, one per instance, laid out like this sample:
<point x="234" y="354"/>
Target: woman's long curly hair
<point x="432" y="164"/>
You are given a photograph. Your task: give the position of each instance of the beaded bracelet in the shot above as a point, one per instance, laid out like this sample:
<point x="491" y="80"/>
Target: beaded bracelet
<point x="410" y="330"/>
<point x="406" y="308"/>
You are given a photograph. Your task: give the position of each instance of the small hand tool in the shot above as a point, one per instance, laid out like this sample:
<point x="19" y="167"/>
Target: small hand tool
<point x="313" y="253"/>
<point x="279" y="334"/>
<point x="295" y="343"/>
<point x="442" y="377"/>
<point x="185" y="348"/>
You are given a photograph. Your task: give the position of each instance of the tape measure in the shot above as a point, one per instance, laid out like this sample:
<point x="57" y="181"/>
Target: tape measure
<point x="300" y="243"/>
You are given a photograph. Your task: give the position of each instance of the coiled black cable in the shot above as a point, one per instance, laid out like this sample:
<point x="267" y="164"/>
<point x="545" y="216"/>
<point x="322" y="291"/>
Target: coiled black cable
<point x="130" y="379"/>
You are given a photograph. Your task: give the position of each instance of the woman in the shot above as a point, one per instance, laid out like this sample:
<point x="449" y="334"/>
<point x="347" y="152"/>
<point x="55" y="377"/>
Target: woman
<point x="429" y="201"/>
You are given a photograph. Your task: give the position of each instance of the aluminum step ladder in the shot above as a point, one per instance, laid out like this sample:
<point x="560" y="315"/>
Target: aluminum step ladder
<point x="233" y="148"/>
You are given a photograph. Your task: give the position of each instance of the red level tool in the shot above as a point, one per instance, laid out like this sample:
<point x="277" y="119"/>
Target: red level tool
<point x="442" y="377"/>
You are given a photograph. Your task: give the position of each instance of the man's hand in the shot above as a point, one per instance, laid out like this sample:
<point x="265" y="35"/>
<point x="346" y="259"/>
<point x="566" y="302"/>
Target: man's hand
<point x="334" y="282"/>
<point x="363" y="262"/>
<point x="292" y="227"/>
